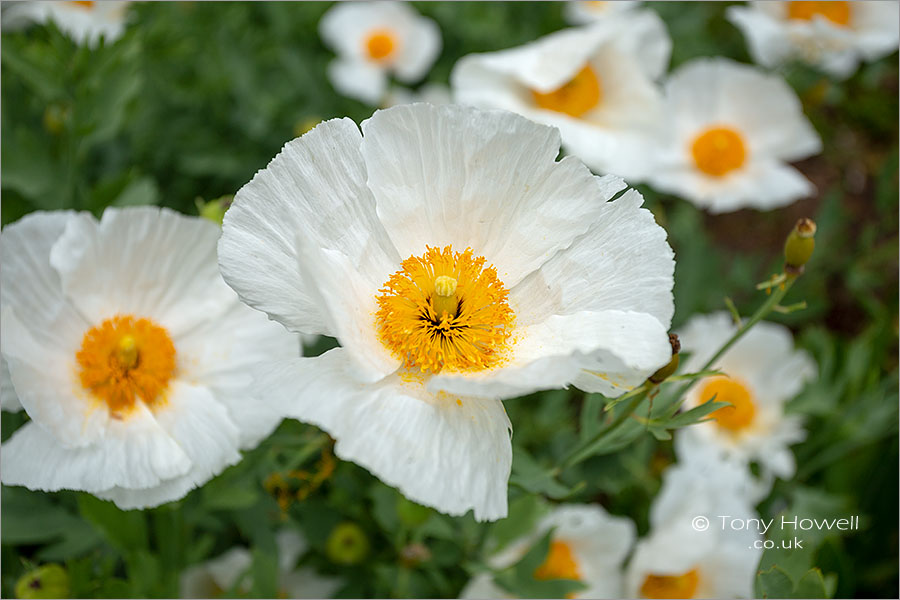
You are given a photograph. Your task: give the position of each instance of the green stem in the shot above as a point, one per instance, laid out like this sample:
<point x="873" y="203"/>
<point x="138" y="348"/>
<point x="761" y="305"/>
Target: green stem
<point x="577" y="454"/>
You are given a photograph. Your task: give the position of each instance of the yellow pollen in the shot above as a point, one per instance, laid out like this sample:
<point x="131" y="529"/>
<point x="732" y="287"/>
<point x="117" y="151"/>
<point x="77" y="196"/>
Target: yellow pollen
<point x="836" y="12"/>
<point x="560" y="563"/>
<point x="82" y="4"/>
<point x="125" y="360"/>
<point x="380" y="44"/>
<point x="671" y="586"/>
<point x="466" y="330"/>
<point x="742" y="410"/>
<point x="718" y="151"/>
<point x="574" y="98"/>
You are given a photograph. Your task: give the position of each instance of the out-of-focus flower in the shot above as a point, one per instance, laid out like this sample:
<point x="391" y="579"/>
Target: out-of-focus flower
<point x="595" y="83"/>
<point x="446" y="249"/>
<point x="219" y="575"/>
<point x="373" y="40"/>
<point x="728" y="135"/>
<point x="833" y="36"/>
<point x="432" y="93"/>
<point x="587" y="545"/>
<point x="580" y="12"/>
<point x="129" y="353"/>
<point x="762" y="372"/>
<point x="685" y="556"/>
<point x="84" y="22"/>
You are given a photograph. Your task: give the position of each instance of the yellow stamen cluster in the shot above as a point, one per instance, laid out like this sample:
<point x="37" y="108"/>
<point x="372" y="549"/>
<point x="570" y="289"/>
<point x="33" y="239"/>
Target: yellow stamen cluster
<point x="740" y="414"/>
<point x="671" y="586"/>
<point x="575" y="97"/>
<point x="835" y="11"/>
<point x="559" y="564"/>
<point x="719" y="151"/>
<point x="125" y="360"/>
<point x="445" y="310"/>
<point x="380" y="44"/>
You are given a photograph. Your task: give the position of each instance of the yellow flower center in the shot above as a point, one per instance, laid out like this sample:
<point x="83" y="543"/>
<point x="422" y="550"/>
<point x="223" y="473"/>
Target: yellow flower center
<point x="671" y="586"/>
<point x="560" y="563"/>
<point x="445" y="310"/>
<point x="742" y="410"/>
<point x="718" y="151"/>
<point x="836" y="12"/>
<point x="82" y="4"/>
<point x="381" y="44"/>
<point x="125" y="359"/>
<point x="574" y="98"/>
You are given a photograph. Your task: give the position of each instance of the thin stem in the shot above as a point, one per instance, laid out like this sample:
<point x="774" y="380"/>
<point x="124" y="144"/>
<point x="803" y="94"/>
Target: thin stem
<point x="577" y="454"/>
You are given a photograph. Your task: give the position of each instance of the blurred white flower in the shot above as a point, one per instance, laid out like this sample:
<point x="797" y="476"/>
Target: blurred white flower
<point x="595" y="83"/>
<point x="729" y="132"/>
<point x="213" y="578"/>
<point x="129" y="353"/>
<point x="432" y="93"/>
<point x="681" y="559"/>
<point x="833" y="36"/>
<point x="373" y="40"/>
<point x="762" y="372"/>
<point x="457" y="263"/>
<point x="580" y="12"/>
<point x="84" y="22"/>
<point x="588" y="545"/>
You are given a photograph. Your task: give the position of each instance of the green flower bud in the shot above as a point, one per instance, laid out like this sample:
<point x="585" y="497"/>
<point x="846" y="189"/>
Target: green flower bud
<point x="664" y="372"/>
<point x="47" y="581"/>
<point x="55" y="118"/>
<point x="214" y="210"/>
<point x="799" y="246"/>
<point x="347" y="544"/>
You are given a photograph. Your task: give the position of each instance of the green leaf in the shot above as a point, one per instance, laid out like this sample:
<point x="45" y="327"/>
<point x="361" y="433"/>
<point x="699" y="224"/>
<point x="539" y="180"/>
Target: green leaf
<point x="30" y="518"/>
<point x="774" y="583"/>
<point x="531" y="476"/>
<point x="519" y="578"/>
<point x="524" y="513"/>
<point x="811" y="585"/>
<point x="125" y="531"/>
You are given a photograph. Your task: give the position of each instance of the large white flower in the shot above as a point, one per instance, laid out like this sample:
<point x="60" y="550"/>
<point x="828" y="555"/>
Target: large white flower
<point x="129" y="353"/>
<point x="457" y="263"/>
<point x="729" y="132"/>
<point x="762" y="372"/>
<point x="595" y="83"/>
<point x="213" y="578"/>
<point x="373" y="40"/>
<point x="588" y="545"/>
<point x="681" y="559"/>
<point x="84" y="22"/>
<point x="579" y="12"/>
<point x="833" y="36"/>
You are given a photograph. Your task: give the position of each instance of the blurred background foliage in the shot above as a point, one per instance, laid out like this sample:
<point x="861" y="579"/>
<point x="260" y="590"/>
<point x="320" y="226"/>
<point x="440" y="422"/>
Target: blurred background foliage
<point x="197" y="96"/>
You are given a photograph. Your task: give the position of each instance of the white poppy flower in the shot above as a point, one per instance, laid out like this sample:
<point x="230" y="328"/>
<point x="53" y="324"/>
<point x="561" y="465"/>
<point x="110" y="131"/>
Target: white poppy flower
<point x="588" y="545"/>
<point x="580" y="12"/>
<point x="457" y="263"/>
<point x="129" y="353"/>
<point x="833" y="36"/>
<point x="762" y="372"/>
<point x="373" y="40"/>
<point x="681" y="559"/>
<point x="594" y="83"/>
<point x="84" y="22"/>
<point x="8" y="399"/>
<point x="217" y="576"/>
<point x="729" y="133"/>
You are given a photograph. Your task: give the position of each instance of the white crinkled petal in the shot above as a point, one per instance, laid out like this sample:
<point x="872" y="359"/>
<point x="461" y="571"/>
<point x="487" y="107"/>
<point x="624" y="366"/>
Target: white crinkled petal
<point x="135" y="452"/>
<point x="315" y="188"/>
<point x="453" y="175"/>
<point x="453" y="454"/>
<point x="206" y="434"/>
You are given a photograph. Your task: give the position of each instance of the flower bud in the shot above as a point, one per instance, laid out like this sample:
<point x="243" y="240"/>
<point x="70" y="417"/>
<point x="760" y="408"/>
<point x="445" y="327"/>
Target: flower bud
<point x="664" y="372"/>
<point x="799" y="246"/>
<point x="47" y="581"/>
<point x="214" y="210"/>
<point x="56" y="116"/>
<point x="347" y="544"/>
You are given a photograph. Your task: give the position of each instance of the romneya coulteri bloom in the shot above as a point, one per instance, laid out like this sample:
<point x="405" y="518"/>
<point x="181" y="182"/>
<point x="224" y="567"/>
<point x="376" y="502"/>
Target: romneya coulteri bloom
<point x="833" y="36"/>
<point x="84" y="22"/>
<point x="595" y="83"/>
<point x="374" y="40"/>
<point x="458" y="263"/>
<point x="685" y="556"/>
<point x="129" y="353"/>
<point x="580" y="12"/>
<point x="762" y="371"/>
<point x="729" y="132"/>
<point x="588" y="545"/>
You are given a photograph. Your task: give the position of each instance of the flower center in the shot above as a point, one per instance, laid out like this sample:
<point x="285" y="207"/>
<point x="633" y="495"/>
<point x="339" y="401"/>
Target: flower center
<point x="718" y="151"/>
<point x="82" y="4"/>
<point x="836" y="12"/>
<point x="671" y="586"/>
<point x="444" y="310"/>
<point x="380" y="44"/>
<point x="574" y="98"/>
<point x="560" y="563"/>
<point x="742" y="410"/>
<point x="126" y="359"/>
